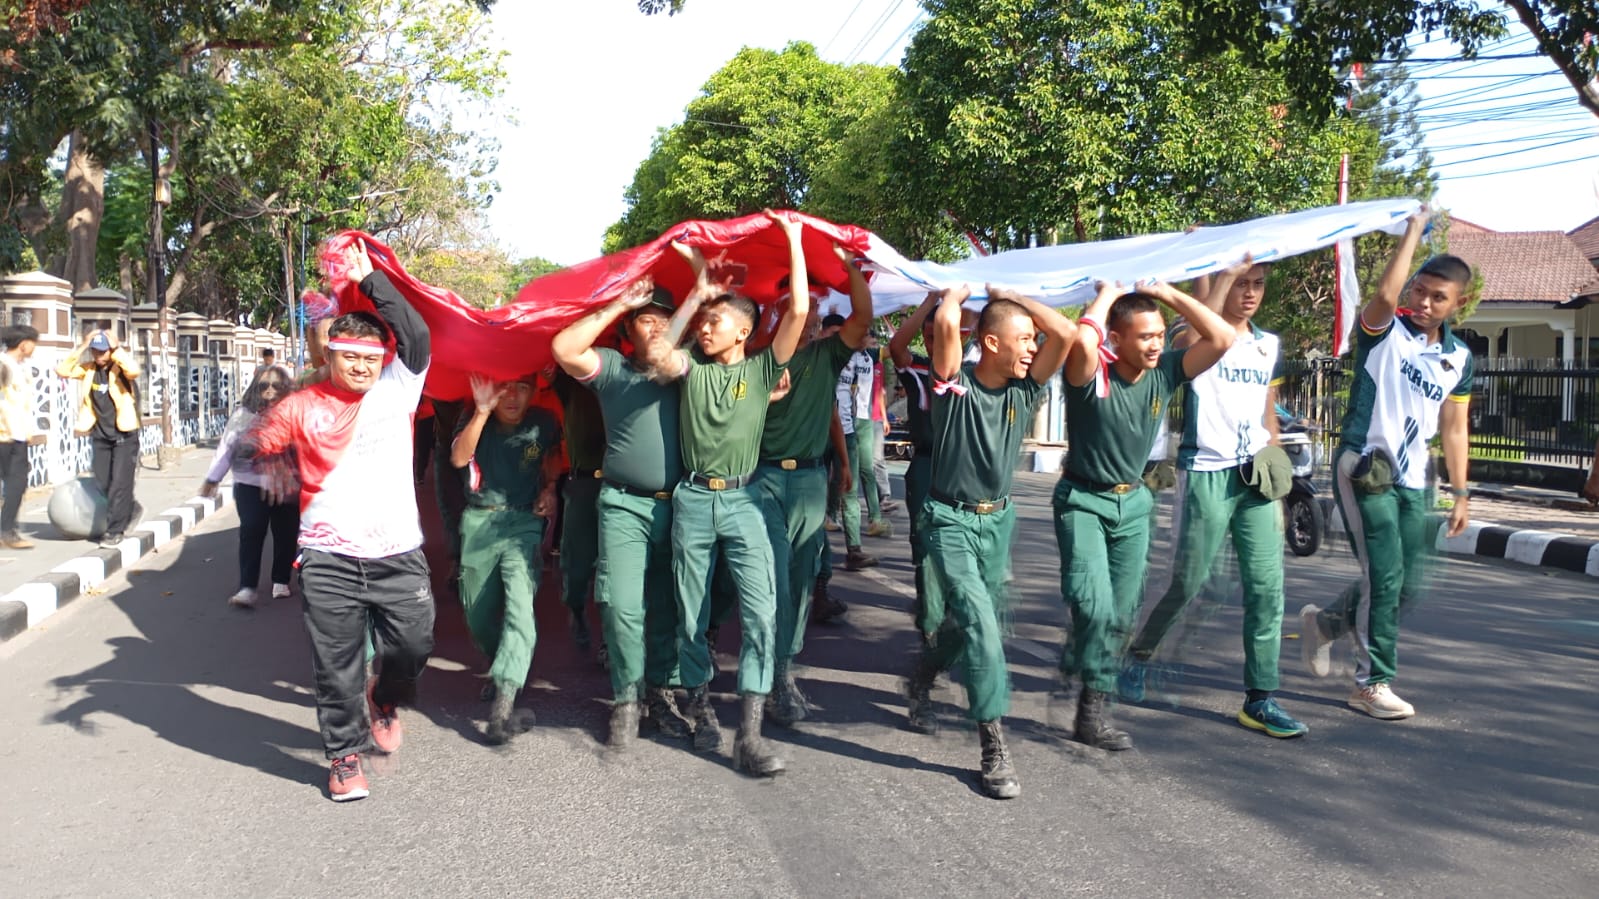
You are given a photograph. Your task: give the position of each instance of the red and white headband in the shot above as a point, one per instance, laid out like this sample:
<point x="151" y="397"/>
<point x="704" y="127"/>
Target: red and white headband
<point x="356" y="345"/>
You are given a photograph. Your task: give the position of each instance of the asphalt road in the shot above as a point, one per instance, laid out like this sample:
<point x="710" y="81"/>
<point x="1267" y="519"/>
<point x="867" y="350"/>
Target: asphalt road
<point x="160" y="743"/>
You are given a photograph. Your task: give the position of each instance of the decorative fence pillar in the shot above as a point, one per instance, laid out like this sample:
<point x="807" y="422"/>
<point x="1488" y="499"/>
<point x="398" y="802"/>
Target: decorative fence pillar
<point x="224" y="378"/>
<point x="193" y="367"/>
<point x="160" y="370"/>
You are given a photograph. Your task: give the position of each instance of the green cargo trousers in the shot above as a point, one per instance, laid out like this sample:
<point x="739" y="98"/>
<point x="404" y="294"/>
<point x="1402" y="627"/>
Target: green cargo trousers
<point x="864" y="465"/>
<point x="1212" y="504"/>
<point x="967" y="557"/>
<point x="707" y="525"/>
<point x="580" y="522"/>
<point x="499" y="575"/>
<point x="1392" y="539"/>
<point x="849" y="498"/>
<point x="634" y="591"/>
<point x="795" y="503"/>
<point x="918" y="480"/>
<point x="1104" y="552"/>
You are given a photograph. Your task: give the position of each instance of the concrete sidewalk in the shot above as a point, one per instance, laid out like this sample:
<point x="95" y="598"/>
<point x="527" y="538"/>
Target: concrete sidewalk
<point x="34" y="583"/>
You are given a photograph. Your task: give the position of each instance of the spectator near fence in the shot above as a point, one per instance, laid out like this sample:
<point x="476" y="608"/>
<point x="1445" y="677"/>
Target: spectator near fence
<point x="108" y="414"/>
<point x="19" y="427"/>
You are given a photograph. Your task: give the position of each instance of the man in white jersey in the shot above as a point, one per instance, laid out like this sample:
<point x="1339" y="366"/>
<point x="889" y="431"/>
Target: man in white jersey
<point x="1412" y="381"/>
<point x="1228" y="418"/>
<point x="361" y="562"/>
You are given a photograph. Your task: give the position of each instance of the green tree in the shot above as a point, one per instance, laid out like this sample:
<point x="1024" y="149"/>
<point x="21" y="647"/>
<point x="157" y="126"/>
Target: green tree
<point x="1324" y="39"/>
<point x="760" y="134"/>
<point x="1041" y="122"/>
<point x="525" y="270"/>
<point x="1386" y="159"/>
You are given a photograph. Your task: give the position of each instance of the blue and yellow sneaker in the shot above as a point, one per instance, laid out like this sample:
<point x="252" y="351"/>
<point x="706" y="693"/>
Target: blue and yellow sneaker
<point x="1266" y="716"/>
<point x="1130" y="684"/>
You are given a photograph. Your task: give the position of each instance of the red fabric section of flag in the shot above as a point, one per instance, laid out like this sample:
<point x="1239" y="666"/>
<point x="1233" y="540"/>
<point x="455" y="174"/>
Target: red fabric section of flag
<point x="514" y="340"/>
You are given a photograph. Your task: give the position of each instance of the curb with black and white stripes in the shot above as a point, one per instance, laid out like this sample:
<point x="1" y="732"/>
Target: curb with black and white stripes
<point x="1542" y="549"/>
<point x="38" y="599"/>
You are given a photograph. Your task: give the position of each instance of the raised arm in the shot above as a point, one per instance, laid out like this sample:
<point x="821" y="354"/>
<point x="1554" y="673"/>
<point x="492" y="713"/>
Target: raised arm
<point x="662" y="354"/>
<point x="1213" y="336"/>
<point x="412" y="340"/>
<point x="1455" y="435"/>
<point x="859" y="323"/>
<point x="1082" y="360"/>
<point x="574" y="346"/>
<point x="946" y="350"/>
<point x="899" y="346"/>
<point x="792" y="327"/>
<point x="1379" y="310"/>
<point x="71" y="365"/>
<point x="485" y="393"/>
<point x="1058" y="330"/>
<point x="1212" y="292"/>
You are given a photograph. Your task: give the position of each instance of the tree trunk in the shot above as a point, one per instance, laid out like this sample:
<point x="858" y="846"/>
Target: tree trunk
<point x="82" y="208"/>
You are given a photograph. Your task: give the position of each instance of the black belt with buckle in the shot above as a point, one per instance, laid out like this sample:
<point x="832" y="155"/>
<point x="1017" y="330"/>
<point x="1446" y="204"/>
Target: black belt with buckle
<point x="639" y="491"/>
<point x="793" y="464"/>
<point x="1096" y="487"/>
<point x="709" y="483"/>
<point x="595" y="473"/>
<point x="983" y="508"/>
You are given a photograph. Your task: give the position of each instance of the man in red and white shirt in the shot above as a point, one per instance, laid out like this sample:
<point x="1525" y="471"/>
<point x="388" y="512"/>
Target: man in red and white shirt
<point x="361" y="562"/>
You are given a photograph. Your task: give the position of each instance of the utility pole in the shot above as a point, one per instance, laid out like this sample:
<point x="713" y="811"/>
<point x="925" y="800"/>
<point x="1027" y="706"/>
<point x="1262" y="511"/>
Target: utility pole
<point x="160" y="196"/>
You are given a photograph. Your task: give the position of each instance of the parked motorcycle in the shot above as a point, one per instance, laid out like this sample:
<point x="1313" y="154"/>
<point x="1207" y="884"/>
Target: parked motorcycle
<point x="1305" y="525"/>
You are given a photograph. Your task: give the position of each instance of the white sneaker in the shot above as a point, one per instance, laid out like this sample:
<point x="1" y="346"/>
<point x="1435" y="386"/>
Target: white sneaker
<point x="244" y="599"/>
<point x="1314" y="646"/>
<point x="280" y="591"/>
<point x="1378" y="701"/>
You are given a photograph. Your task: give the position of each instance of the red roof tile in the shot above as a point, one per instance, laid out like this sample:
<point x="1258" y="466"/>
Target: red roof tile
<point x="1526" y="266"/>
<point x="1586" y="237"/>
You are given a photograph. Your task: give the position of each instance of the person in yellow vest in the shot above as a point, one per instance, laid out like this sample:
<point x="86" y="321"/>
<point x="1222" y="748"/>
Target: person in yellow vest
<point x="108" y="415"/>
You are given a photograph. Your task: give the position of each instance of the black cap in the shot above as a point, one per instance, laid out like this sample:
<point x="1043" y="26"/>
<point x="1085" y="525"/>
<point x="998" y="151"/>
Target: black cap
<point x="833" y="320"/>
<point x="660" y="301"/>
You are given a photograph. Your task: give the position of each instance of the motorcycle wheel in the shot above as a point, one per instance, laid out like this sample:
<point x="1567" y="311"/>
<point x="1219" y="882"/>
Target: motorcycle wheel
<point x="1305" y="525"/>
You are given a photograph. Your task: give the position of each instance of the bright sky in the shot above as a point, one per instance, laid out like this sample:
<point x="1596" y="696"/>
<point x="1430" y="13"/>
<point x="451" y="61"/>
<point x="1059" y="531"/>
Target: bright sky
<point x="590" y="82"/>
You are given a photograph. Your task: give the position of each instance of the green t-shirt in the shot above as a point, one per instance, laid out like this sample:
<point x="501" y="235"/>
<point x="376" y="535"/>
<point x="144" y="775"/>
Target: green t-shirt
<point x="584" y="426"/>
<point x="1110" y="438"/>
<point x="724" y="412"/>
<point x="797" y="426"/>
<point x="641" y="423"/>
<point x="507" y="468"/>
<point x="977" y="435"/>
<point x="918" y="384"/>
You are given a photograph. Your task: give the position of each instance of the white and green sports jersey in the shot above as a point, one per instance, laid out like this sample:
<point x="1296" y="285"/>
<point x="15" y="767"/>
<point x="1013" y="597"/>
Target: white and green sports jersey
<point x="1224" y="411"/>
<point x="1400" y="385"/>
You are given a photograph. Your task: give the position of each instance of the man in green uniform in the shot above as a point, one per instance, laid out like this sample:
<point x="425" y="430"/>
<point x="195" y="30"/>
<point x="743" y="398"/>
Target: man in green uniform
<point x="792" y="480"/>
<point x="1229" y="418"/>
<point x="1114" y="406"/>
<point x="642" y="464"/>
<point x="1412" y="382"/>
<point x="980" y="412"/>
<point x="503" y="450"/>
<point x="915" y="377"/>
<point x="715" y="511"/>
<point x="584" y="431"/>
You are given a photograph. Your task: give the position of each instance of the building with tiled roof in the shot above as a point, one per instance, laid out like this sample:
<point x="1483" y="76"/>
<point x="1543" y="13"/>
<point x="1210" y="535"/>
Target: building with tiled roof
<point x="1586" y="237"/>
<point x="1539" y="267"/>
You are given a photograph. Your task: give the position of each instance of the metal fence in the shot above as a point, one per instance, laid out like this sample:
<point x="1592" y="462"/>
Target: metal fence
<point x="1532" y="412"/>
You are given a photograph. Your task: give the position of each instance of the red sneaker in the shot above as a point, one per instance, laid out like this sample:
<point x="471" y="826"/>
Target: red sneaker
<point x="387" y="735"/>
<point x="345" y="780"/>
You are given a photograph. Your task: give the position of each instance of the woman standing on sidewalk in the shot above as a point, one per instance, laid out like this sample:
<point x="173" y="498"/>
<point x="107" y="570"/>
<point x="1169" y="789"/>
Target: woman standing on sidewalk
<point x="256" y="514"/>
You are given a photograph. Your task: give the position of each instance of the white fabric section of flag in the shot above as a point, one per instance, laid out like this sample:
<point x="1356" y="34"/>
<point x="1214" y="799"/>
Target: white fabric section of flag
<point x="1065" y="275"/>
<point x="1348" y="296"/>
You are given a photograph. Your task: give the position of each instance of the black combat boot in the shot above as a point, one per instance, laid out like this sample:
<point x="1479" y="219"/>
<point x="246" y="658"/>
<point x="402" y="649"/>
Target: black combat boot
<point x="999" y="778"/>
<point x="500" y="729"/>
<point x="919" y="693"/>
<point x="660" y="704"/>
<point x="787" y="704"/>
<point x="750" y="752"/>
<point x="824" y="607"/>
<point x="624" y="725"/>
<point x="1093" y="723"/>
<point x="707" y="732"/>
